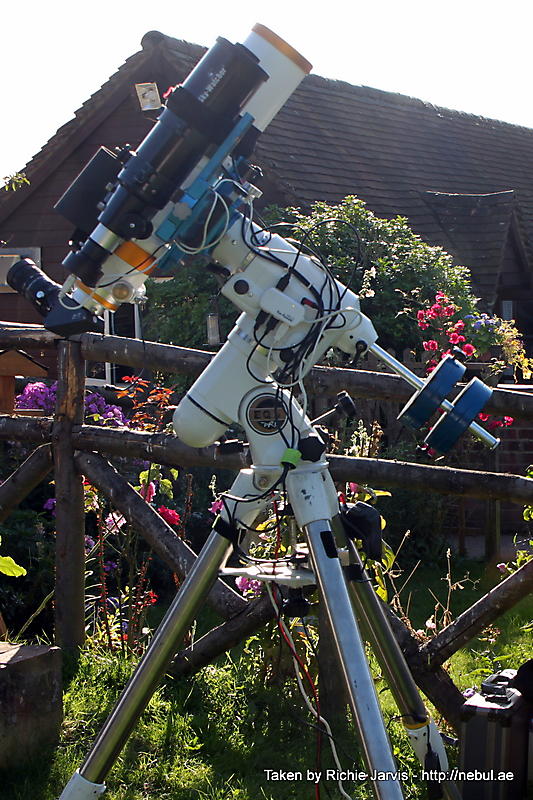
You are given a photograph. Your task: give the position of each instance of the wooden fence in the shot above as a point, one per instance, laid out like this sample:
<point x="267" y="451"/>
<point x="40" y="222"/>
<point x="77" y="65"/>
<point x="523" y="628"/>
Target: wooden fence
<point x="74" y="449"/>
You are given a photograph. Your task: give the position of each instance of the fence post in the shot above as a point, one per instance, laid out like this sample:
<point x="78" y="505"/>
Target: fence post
<point x="70" y="515"/>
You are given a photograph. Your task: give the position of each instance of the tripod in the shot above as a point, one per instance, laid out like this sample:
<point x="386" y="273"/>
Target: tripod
<point x="265" y="414"/>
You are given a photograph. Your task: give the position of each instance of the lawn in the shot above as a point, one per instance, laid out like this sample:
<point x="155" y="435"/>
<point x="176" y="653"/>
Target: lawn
<point x="214" y="735"/>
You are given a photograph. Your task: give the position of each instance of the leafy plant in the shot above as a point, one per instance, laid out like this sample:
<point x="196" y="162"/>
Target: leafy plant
<point x="10" y="567"/>
<point x="383" y="261"/>
<point x="15" y="181"/>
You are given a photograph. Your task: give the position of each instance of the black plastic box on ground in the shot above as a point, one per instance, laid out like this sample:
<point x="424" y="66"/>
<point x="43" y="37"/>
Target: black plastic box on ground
<point x="495" y="727"/>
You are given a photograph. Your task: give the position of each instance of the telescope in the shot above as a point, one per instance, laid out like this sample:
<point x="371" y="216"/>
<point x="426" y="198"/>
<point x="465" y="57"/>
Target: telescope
<point x="173" y="197"/>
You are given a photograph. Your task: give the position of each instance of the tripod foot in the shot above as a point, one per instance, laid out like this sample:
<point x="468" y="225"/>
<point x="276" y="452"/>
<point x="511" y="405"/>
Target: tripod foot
<point x="79" y="788"/>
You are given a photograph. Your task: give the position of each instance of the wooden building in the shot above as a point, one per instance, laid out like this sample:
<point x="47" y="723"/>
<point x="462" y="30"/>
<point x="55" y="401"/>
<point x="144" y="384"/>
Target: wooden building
<point x="462" y="181"/>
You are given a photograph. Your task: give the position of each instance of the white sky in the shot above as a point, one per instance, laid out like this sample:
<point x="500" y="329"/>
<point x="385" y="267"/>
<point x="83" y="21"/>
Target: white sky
<point x="471" y="55"/>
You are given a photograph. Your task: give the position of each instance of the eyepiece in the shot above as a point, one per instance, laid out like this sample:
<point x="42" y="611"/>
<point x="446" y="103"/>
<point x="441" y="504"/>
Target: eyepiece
<point x="32" y="283"/>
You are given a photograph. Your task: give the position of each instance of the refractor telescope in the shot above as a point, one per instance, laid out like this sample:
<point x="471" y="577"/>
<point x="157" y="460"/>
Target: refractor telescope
<point x="173" y="197"/>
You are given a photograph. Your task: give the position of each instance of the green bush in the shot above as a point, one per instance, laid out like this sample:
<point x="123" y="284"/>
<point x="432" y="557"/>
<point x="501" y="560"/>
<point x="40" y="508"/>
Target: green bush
<point x="393" y="270"/>
<point x="395" y="275"/>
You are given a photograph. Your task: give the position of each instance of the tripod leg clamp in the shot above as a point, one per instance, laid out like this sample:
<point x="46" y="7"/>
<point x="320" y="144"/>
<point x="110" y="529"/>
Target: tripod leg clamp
<point x="79" y="788"/>
<point x="227" y="530"/>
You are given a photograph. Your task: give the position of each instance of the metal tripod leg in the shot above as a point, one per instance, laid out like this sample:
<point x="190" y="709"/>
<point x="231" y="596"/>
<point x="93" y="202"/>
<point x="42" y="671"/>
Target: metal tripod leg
<point x="350" y="650"/>
<point x="378" y="633"/>
<point x="151" y="669"/>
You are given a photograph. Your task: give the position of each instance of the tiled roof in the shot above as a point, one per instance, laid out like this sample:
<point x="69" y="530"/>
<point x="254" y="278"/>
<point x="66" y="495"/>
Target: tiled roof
<point x="401" y="155"/>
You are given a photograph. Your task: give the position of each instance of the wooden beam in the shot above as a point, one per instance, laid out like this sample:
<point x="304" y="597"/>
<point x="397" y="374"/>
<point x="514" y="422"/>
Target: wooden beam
<point x="26" y="430"/>
<point x="377" y="472"/>
<point x="434" y="682"/>
<point x="25" y="478"/>
<point x="482" y="613"/>
<point x="159" y="535"/>
<point x="167" y="449"/>
<point x="69" y="510"/>
<point x="326" y="381"/>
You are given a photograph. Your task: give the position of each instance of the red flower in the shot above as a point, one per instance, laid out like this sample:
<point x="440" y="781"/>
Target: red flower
<point x="421" y="315"/>
<point x="169" y="515"/>
<point x="448" y="311"/>
<point x="430" y="345"/>
<point x="147" y="491"/>
<point x="459" y="325"/>
<point x="507" y="421"/>
<point x="469" y="349"/>
<point x="483" y="417"/>
<point x="494" y="424"/>
<point x="454" y="338"/>
<point x="423" y="325"/>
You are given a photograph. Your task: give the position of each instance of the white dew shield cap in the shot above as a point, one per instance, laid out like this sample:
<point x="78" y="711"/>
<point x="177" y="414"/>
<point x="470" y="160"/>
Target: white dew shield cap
<point x="286" y="69"/>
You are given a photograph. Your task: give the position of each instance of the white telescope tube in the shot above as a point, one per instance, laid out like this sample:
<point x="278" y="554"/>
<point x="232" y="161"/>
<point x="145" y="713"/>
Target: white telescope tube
<point x="286" y="69"/>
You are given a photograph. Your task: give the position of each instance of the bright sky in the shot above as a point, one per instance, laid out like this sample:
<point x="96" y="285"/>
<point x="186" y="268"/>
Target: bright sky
<point x="471" y="55"/>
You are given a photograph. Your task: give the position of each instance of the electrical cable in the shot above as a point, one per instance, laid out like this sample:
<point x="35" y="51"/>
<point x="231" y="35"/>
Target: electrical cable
<point x="315" y="711"/>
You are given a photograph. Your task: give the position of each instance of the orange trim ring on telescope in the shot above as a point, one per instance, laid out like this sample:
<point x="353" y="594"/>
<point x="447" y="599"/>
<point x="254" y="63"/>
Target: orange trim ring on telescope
<point x="98" y="297"/>
<point x="281" y="45"/>
<point x="135" y="256"/>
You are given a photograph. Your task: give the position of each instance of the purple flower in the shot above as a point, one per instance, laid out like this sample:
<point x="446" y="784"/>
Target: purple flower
<point x="469" y="692"/>
<point x="502" y="567"/>
<point x="38" y="395"/>
<point x="248" y="586"/>
<point x="110" y="566"/>
<point x="89" y="543"/>
<point x="50" y="504"/>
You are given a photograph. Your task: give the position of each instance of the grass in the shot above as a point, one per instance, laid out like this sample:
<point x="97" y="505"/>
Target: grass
<point x="212" y="736"/>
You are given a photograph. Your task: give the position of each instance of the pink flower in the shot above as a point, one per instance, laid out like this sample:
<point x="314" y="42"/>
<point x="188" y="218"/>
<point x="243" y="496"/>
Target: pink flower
<point x="459" y="325"/>
<point x="494" y="424"/>
<point x="169" y="515"/>
<point x="508" y="421"/>
<point x="440" y="296"/>
<point x="454" y="338"/>
<point x="248" y="586"/>
<point x="469" y="349"/>
<point x="216" y="506"/>
<point x="430" y="345"/>
<point x="483" y="417"/>
<point x="148" y="491"/>
<point x="430" y="623"/>
<point x="421" y="315"/>
<point x="448" y="311"/>
<point x="502" y="567"/>
<point x="461" y="339"/>
<point x="114" y="521"/>
<point x="423" y="325"/>
<point x="436" y="310"/>
<point x="353" y="487"/>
